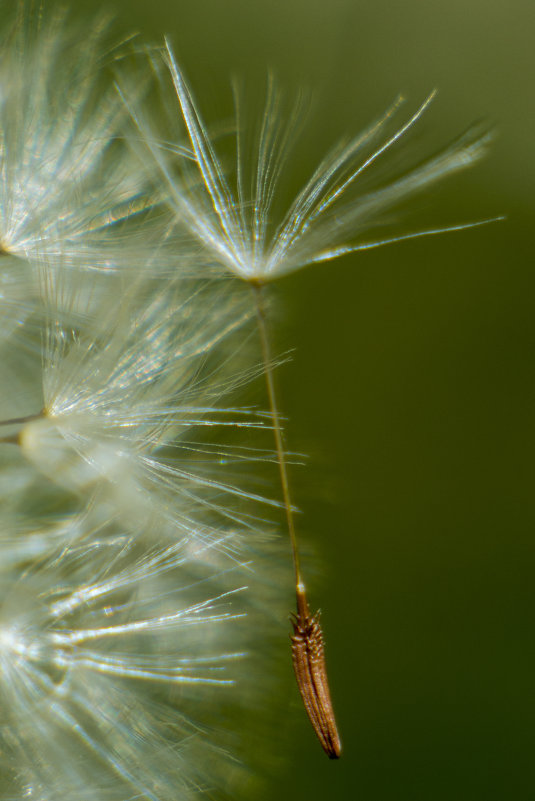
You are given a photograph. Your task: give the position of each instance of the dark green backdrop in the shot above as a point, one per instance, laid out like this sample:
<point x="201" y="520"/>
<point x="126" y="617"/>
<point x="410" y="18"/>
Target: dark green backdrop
<point x="412" y="390"/>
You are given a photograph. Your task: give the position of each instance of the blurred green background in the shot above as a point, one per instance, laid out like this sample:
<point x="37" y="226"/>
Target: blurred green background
<point x="412" y="390"/>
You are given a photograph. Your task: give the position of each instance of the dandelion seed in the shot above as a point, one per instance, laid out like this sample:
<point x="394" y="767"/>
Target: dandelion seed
<point x="234" y="224"/>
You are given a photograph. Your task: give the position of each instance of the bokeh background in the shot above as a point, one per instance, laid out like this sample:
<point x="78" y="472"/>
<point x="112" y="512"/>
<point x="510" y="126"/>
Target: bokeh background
<point x="411" y="389"/>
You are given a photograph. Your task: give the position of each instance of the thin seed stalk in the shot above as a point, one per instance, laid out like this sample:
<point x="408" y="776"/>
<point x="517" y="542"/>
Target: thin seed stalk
<point x="277" y="428"/>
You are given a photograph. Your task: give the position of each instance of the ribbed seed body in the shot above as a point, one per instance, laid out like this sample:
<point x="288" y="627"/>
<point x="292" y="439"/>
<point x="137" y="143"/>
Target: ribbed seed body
<point x="310" y="670"/>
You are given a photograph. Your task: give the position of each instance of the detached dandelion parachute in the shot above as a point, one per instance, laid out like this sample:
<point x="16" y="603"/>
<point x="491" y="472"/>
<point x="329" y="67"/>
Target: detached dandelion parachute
<point x="234" y="223"/>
